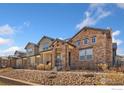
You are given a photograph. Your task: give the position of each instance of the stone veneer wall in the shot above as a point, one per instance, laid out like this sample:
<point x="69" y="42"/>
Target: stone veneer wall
<point x="109" y="52"/>
<point x="61" y="46"/>
<point x="102" y="50"/>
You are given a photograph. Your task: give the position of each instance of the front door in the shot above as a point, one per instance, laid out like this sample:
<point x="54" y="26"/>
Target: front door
<point x="58" y="61"/>
<point x="69" y="58"/>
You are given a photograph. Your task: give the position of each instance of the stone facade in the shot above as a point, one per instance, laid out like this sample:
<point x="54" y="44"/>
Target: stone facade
<point x="60" y="54"/>
<point x="102" y="48"/>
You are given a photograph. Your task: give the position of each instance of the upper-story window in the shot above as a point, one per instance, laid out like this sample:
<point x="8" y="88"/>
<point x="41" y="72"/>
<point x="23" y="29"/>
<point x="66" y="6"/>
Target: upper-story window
<point x="85" y="41"/>
<point x="46" y="46"/>
<point x="94" y="39"/>
<point x="77" y="43"/>
<point x="29" y="50"/>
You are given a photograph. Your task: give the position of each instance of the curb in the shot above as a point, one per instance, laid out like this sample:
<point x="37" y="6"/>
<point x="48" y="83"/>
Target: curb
<point x="19" y="81"/>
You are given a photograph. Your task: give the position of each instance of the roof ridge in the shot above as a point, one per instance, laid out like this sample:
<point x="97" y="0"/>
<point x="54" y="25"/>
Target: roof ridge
<point x="94" y="28"/>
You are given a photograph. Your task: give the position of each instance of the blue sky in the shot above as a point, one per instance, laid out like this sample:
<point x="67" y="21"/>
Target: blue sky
<point x="21" y="23"/>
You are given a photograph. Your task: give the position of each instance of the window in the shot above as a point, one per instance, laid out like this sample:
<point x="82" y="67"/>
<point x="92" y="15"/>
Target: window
<point x="86" y="54"/>
<point x="89" y="54"/>
<point x="29" y="50"/>
<point x="94" y="39"/>
<point x="77" y="43"/>
<point x="46" y="46"/>
<point x="82" y="54"/>
<point x="85" y="41"/>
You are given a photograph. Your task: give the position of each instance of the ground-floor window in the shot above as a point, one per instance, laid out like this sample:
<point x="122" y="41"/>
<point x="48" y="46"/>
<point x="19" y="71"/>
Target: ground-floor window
<point x="86" y="54"/>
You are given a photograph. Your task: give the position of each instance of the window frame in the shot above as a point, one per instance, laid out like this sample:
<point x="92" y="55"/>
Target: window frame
<point x="85" y="41"/>
<point x="46" y="46"/>
<point x="82" y="55"/>
<point x="77" y="43"/>
<point x="86" y="54"/>
<point x="94" y="39"/>
<point x="29" y="50"/>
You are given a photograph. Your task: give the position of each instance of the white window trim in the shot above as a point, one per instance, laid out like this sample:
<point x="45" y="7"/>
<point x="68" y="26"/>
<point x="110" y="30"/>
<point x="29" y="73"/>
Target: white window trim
<point x="95" y="40"/>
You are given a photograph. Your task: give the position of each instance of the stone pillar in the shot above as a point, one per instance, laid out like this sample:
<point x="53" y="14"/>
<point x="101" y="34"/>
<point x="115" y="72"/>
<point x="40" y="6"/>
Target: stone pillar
<point x="53" y="58"/>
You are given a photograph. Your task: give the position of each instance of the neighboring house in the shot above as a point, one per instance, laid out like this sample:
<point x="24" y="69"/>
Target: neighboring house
<point x="120" y="61"/>
<point x="114" y="46"/>
<point x="12" y="61"/>
<point x="18" y="55"/>
<point x="4" y="62"/>
<point x="31" y="50"/>
<point x="45" y="49"/>
<point x="44" y="43"/>
<point x="89" y="47"/>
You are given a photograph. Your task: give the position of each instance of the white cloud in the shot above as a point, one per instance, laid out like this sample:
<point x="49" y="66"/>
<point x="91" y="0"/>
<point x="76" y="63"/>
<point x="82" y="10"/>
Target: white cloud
<point x="120" y="52"/>
<point x="61" y="38"/>
<point x="6" y="30"/>
<point x="94" y="14"/>
<point x="10" y="51"/>
<point x="120" y="5"/>
<point x="114" y="37"/>
<point x="4" y="41"/>
<point x="116" y="33"/>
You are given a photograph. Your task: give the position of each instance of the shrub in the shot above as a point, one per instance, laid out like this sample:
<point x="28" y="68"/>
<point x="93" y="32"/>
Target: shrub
<point x="103" y="67"/>
<point x="6" y="69"/>
<point x="89" y="75"/>
<point x="40" y="67"/>
<point x="44" y="67"/>
<point x="48" y="66"/>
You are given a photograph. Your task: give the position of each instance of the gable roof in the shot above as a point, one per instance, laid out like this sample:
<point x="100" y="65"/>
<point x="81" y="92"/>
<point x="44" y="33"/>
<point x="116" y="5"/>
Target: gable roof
<point x="63" y="41"/>
<point x="30" y="43"/>
<point x="91" y="28"/>
<point x="50" y="38"/>
<point x="21" y="54"/>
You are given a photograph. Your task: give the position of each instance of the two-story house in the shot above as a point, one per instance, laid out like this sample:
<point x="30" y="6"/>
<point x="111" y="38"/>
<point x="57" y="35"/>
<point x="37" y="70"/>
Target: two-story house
<point x="93" y="46"/>
<point x="45" y="50"/>
<point x="18" y="55"/>
<point x="38" y="53"/>
<point x="31" y="51"/>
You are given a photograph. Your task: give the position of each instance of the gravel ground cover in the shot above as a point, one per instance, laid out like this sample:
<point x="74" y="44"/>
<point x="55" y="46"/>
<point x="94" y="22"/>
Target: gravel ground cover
<point x="66" y="78"/>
